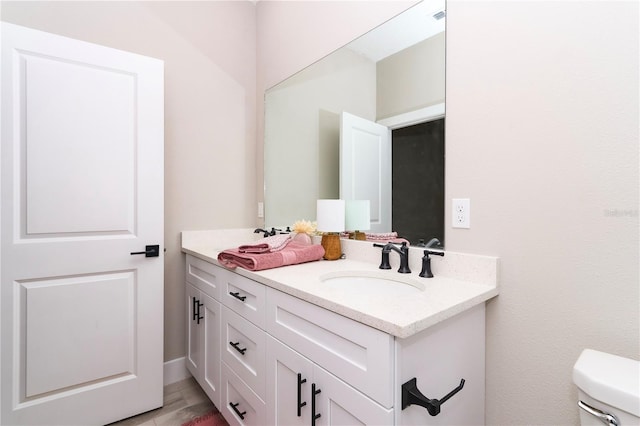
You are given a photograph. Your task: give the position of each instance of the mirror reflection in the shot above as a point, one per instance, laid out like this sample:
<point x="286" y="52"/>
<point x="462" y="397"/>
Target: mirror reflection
<point x="365" y="123"/>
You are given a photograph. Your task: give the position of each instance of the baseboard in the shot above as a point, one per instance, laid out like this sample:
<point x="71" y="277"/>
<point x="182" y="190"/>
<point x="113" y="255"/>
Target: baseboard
<point x="175" y="371"/>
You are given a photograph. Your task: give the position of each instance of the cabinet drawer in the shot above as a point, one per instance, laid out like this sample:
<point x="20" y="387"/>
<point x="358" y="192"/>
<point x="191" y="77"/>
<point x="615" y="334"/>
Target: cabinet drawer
<point x="246" y="297"/>
<point x="243" y="349"/>
<point x="205" y="276"/>
<point x="240" y="406"/>
<point x="358" y="354"/>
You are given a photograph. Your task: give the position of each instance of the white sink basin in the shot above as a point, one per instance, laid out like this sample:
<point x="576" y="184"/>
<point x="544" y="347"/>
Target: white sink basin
<point x="373" y="282"/>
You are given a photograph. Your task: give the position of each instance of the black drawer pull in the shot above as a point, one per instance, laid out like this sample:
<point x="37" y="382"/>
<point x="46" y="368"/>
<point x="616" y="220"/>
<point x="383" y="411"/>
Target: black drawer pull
<point x="300" y="402"/>
<point x="237" y="295"/>
<point x="194" y="307"/>
<point x="235" y="346"/>
<point x="233" y="406"/>
<point x="314" y="416"/>
<point x="196" y="310"/>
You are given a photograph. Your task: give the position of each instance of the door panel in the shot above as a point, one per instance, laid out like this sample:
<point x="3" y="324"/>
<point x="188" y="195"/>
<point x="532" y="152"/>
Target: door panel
<point x="288" y="395"/>
<point x="211" y="331"/>
<point x="340" y="404"/>
<point x="66" y="313"/>
<point x="82" y="188"/>
<point x="365" y="167"/>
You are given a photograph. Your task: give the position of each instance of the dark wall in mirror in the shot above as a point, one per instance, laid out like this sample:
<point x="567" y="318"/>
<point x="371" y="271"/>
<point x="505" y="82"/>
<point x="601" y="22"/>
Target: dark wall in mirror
<point x="393" y="75"/>
<point x="417" y="182"/>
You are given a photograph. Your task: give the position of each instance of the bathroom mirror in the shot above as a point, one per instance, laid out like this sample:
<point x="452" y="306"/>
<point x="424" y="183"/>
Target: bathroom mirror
<point x="393" y="76"/>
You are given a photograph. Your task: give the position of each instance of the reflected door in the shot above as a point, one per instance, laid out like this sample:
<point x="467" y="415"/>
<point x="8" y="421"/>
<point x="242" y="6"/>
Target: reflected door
<point x="365" y="167"/>
<point x="82" y="189"/>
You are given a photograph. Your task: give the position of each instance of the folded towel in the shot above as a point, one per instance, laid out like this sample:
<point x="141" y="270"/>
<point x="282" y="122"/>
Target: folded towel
<point x="390" y="240"/>
<point x="381" y="235"/>
<point x="387" y="237"/>
<point x="266" y="245"/>
<point x="292" y="254"/>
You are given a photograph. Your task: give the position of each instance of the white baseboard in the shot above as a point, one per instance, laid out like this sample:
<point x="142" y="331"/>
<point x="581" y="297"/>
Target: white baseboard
<point x="175" y="371"/>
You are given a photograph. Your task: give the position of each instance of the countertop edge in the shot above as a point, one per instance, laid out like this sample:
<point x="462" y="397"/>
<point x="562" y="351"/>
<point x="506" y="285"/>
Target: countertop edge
<point x="399" y="331"/>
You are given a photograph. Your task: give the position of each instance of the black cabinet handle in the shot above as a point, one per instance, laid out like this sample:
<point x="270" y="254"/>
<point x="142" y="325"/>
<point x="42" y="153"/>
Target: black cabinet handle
<point x="200" y="305"/>
<point x="237" y="296"/>
<point x="234" y="407"/>
<point x="195" y="308"/>
<point x="314" y="416"/>
<point x="149" y="251"/>
<point x="235" y="346"/>
<point x="300" y="402"/>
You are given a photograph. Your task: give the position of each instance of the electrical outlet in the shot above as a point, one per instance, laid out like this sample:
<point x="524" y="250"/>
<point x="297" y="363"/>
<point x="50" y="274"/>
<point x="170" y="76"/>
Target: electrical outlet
<point x="461" y="213"/>
<point x="260" y="209"/>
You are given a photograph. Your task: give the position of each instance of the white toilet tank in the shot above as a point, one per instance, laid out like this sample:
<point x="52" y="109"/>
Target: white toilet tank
<point x="608" y="389"/>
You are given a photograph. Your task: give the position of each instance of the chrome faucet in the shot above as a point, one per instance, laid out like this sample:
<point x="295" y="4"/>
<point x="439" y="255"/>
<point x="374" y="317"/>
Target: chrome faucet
<point x="403" y="251"/>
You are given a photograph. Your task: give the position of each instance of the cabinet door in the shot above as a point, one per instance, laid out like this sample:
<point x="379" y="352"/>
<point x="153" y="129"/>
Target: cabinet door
<point x="289" y="377"/>
<point x="210" y="332"/>
<point x="194" y="341"/>
<point x="337" y="403"/>
<point x="203" y="341"/>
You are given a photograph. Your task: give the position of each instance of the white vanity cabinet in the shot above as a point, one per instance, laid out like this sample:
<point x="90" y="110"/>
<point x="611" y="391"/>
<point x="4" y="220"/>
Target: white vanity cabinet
<point x="284" y="361"/>
<point x="203" y="325"/>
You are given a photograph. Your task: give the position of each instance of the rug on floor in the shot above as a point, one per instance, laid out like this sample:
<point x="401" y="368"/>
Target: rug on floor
<point x="214" y="418"/>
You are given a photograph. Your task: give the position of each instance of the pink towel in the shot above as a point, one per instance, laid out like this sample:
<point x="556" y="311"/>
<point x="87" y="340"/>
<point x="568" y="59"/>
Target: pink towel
<point x="266" y="245"/>
<point x="292" y="254"/>
<point x="388" y="237"/>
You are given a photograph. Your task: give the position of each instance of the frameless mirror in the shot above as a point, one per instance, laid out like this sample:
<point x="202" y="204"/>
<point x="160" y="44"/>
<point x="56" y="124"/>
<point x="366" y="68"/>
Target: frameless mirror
<point x="392" y="77"/>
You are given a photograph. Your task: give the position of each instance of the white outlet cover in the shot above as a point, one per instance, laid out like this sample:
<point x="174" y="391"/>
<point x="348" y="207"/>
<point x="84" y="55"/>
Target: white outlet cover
<point x="461" y="213"/>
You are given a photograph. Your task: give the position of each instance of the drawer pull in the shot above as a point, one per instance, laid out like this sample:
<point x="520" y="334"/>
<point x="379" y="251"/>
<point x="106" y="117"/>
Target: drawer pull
<point x="196" y="310"/>
<point x="233" y="406"/>
<point x="314" y="416"/>
<point x="300" y="402"/>
<point x="235" y="346"/>
<point x="237" y="295"/>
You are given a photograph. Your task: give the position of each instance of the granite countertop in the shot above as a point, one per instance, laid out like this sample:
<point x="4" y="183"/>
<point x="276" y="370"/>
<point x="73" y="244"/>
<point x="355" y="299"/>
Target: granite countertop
<point x="461" y="282"/>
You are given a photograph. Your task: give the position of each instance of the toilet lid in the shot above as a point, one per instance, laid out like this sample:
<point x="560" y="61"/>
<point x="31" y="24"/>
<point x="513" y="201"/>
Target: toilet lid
<point x="609" y="378"/>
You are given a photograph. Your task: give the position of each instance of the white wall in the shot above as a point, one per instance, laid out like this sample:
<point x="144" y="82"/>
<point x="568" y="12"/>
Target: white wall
<point x="209" y="54"/>
<point x="542" y="135"/>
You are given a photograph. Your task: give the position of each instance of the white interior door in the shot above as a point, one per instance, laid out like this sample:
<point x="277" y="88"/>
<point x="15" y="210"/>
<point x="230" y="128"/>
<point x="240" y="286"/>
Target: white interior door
<point x="82" y="188"/>
<point x="365" y="167"/>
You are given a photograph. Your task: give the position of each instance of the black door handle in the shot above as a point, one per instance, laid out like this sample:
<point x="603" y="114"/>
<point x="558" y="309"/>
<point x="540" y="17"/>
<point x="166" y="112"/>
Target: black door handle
<point x="149" y="251"/>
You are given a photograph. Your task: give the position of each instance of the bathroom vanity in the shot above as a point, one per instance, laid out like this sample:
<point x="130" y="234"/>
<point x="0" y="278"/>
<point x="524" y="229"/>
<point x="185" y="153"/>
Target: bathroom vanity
<point x="288" y="346"/>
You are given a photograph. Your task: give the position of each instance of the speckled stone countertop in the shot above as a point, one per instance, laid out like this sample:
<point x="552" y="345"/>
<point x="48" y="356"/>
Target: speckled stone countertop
<point x="461" y="281"/>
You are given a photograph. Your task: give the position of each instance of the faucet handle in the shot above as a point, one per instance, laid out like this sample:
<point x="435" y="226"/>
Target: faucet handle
<point x="426" y="263"/>
<point x="384" y="262"/>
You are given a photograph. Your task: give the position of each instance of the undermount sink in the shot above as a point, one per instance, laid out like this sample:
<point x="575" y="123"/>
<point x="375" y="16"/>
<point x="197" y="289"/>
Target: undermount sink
<point x="373" y="282"/>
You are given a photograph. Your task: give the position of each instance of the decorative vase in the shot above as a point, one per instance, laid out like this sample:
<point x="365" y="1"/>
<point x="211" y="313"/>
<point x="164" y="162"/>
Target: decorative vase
<point x="331" y="243"/>
<point x="302" y="238"/>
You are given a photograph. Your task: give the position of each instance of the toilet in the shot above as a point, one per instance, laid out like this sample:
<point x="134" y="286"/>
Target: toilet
<point x="608" y="389"/>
